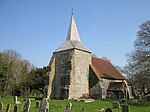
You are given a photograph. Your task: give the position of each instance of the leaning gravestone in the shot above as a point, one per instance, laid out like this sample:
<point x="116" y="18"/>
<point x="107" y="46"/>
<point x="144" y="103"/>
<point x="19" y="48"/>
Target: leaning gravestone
<point x="8" y="107"/>
<point x="44" y="106"/>
<point x="16" y="109"/>
<point x="125" y="108"/>
<point x="108" y="110"/>
<point x="1" y="106"/>
<point x="26" y="107"/>
<point x="37" y="105"/>
<point x="68" y="107"/>
<point x="116" y="104"/>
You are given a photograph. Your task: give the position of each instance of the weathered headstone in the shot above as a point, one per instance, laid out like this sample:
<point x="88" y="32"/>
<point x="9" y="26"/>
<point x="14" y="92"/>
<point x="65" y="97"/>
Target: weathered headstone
<point x="1" y="106"/>
<point x="102" y="110"/>
<point x="125" y="108"/>
<point x="8" y="107"/>
<point x="116" y="104"/>
<point x="16" y="109"/>
<point x="83" y="109"/>
<point x="44" y="105"/>
<point x="26" y="107"/>
<point x="135" y="102"/>
<point x="87" y="100"/>
<point x="15" y="98"/>
<point x="37" y="105"/>
<point x="123" y="100"/>
<point x="68" y="107"/>
<point x="108" y="110"/>
<point x="148" y="98"/>
<point x="16" y="101"/>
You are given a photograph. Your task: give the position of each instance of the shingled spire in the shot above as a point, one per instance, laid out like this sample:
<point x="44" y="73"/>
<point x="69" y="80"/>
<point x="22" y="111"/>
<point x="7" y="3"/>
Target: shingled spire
<point x="73" y="34"/>
<point x="73" y="38"/>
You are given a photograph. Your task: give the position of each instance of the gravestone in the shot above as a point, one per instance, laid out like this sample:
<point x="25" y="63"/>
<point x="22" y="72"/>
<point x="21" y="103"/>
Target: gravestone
<point x="108" y="110"/>
<point x="116" y="104"/>
<point x="135" y="102"/>
<point x="16" y="100"/>
<point x="123" y="100"/>
<point x="87" y="100"/>
<point x="102" y="110"/>
<point x="8" y="107"/>
<point x="37" y="105"/>
<point x="26" y="107"/>
<point x="16" y="109"/>
<point x="83" y="109"/>
<point x="44" y="105"/>
<point x="148" y="98"/>
<point x="68" y="107"/>
<point x="125" y="108"/>
<point x="1" y="106"/>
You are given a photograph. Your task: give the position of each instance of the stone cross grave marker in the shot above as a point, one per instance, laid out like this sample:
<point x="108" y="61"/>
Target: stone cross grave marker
<point x="8" y="107"/>
<point x="108" y="110"/>
<point x="116" y="104"/>
<point x="125" y="108"/>
<point x="26" y="107"/>
<point x="68" y="107"/>
<point x="16" y="109"/>
<point x="37" y="105"/>
<point x="1" y="106"/>
<point x="44" y="105"/>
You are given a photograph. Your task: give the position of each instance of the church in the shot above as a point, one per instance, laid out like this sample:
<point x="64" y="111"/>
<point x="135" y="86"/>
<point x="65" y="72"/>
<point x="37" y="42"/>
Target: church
<point x="76" y="73"/>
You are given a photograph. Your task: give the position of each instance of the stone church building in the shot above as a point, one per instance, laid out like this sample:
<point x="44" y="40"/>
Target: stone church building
<point x="75" y="73"/>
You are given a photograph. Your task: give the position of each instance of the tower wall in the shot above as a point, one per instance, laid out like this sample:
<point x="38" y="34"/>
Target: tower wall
<point x="80" y="74"/>
<point x="68" y="78"/>
<point x="63" y="66"/>
<point x="51" y="80"/>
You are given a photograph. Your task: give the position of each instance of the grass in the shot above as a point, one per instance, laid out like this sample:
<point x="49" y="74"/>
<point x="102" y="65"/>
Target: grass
<point x="59" y="105"/>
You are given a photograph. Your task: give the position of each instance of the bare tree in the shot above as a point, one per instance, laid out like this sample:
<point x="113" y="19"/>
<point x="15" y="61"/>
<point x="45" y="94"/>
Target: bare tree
<point x="138" y="67"/>
<point x="13" y="71"/>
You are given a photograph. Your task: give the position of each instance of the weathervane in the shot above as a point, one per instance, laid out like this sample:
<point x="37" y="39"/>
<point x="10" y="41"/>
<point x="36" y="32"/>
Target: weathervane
<point x="72" y="11"/>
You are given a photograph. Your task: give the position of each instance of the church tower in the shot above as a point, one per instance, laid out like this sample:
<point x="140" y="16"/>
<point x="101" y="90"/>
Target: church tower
<point x="69" y="68"/>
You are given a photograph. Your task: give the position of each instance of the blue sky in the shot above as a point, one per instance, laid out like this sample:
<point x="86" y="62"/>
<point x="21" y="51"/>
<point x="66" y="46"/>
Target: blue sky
<point x="36" y="28"/>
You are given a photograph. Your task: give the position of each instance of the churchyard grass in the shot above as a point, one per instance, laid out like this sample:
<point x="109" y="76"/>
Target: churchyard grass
<point x="59" y="105"/>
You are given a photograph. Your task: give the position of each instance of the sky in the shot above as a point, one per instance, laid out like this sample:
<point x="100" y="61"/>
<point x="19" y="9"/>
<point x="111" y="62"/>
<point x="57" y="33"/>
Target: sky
<point x="36" y="28"/>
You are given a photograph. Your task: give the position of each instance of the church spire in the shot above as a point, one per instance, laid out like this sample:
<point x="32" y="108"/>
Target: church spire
<point x="73" y="39"/>
<point x="73" y="34"/>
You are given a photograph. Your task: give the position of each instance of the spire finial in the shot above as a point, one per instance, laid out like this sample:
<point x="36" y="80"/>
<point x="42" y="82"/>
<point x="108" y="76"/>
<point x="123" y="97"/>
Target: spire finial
<point x="72" y="12"/>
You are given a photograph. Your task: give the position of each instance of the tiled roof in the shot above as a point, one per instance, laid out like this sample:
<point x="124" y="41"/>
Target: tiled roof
<point x="104" y="69"/>
<point x="72" y="44"/>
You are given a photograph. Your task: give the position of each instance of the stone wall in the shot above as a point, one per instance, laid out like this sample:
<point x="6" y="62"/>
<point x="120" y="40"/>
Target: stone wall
<point x="80" y="74"/>
<point x="63" y="65"/>
<point x="69" y="74"/>
<point x="50" y="88"/>
<point x="100" y="89"/>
